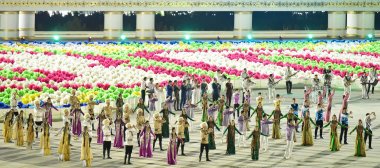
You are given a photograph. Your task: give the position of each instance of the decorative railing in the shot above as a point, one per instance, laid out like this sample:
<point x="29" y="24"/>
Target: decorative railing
<point x="192" y="5"/>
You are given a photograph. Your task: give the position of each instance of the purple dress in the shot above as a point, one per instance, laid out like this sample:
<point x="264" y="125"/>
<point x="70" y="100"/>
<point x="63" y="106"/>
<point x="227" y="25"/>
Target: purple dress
<point x="145" y="145"/>
<point x="48" y="113"/>
<point x="76" y="125"/>
<point x="152" y="104"/>
<point x="236" y="98"/>
<point x="289" y="132"/>
<point x="211" y="111"/>
<point x="226" y="117"/>
<point x="241" y="123"/>
<point x="99" y="131"/>
<point x="119" y="127"/>
<point x="172" y="152"/>
<point x="265" y="126"/>
<point x="188" y="110"/>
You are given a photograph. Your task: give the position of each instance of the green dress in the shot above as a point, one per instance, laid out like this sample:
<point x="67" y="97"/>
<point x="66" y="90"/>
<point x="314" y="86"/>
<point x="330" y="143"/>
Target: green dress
<point x="334" y="141"/>
<point x="165" y="125"/>
<point x="220" y="112"/>
<point x="211" y="136"/>
<point x="359" y="143"/>
<point x="204" y="109"/>
<point x="255" y="144"/>
<point x="187" y="135"/>
<point x="231" y="139"/>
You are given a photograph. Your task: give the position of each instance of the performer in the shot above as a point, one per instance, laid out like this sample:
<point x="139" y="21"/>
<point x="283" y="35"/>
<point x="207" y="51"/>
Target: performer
<point x="363" y="82"/>
<point x="141" y="105"/>
<point x="152" y="102"/>
<point x="145" y="136"/>
<point x="189" y="90"/>
<point x="265" y="132"/>
<point x="86" y="154"/>
<point x="226" y="119"/>
<point x="368" y="125"/>
<point x="108" y="109"/>
<point x="334" y="142"/>
<point x="190" y="114"/>
<point x="75" y="111"/>
<point x="359" y="143"/>
<point x="14" y="99"/>
<point x="244" y="74"/>
<point x="295" y="108"/>
<point x="18" y="132"/>
<point x="172" y="151"/>
<point x="276" y="118"/>
<point x="329" y="105"/>
<point x="91" y="110"/>
<point x="316" y="86"/>
<point x="165" y="116"/>
<point x="204" y="141"/>
<point x="247" y="86"/>
<point x="87" y="123"/>
<point x="119" y="129"/>
<point x="186" y="118"/>
<point x="231" y="137"/>
<point x="196" y="91"/>
<point x="128" y="142"/>
<point x="204" y="87"/>
<point x="183" y="94"/>
<point x="159" y="93"/>
<point x="221" y="104"/>
<point x="7" y="127"/>
<point x="181" y="135"/>
<point x="243" y="122"/>
<point x="140" y="121"/>
<point x="229" y="88"/>
<point x="101" y="117"/>
<point x="45" y="139"/>
<point x="307" y="93"/>
<point x="346" y="96"/>
<point x="307" y="136"/>
<point x="373" y="80"/>
<point x="347" y="80"/>
<point x="204" y="108"/>
<point x="289" y="139"/>
<point x="288" y="76"/>
<point x="106" y="138"/>
<point x="319" y="121"/>
<point x="48" y="113"/>
<point x="327" y="75"/>
<point x="29" y="131"/>
<point x="236" y="102"/>
<point x="255" y="143"/>
<point x="38" y="117"/>
<point x="271" y="87"/>
<point x="259" y="99"/>
<point x="143" y="89"/>
<point x="215" y="90"/>
<point x="176" y="90"/>
<point x="211" y="136"/>
<point x="321" y="96"/>
<point x="119" y="105"/>
<point x="169" y="89"/>
<point x="158" y="121"/>
<point x="259" y="114"/>
<point x="127" y="113"/>
<point x="64" y="144"/>
<point x="291" y="117"/>
<point x="344" y="130"/>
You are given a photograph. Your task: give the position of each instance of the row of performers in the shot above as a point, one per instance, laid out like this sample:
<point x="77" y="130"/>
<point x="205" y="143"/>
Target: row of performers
<point x="178" y="138"/>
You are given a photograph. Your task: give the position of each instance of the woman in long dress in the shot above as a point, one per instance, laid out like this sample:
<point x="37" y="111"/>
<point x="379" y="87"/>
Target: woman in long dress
<point x="29" y="131"/>
<point x="7" y="127"/>
<point x="48" y="105"/>
<point x="86" y="154"/>
<point x="211" y="136"/>
<point x="146" y="138"/>
<point x="231" y="137"/>
<point x="19" y="129"/>
<point x="160" y="96"/>
<point x="99" y="131"/>
<point x="165" y="126"/>
<point x="334" y="140"/>
<point x="307" y="136"/>
<point x="359" y="142"/>
<point x="45" y="139"/>
<point x="172" y="148"/>
<point x="64" y="144"/>
<point x="221" y="104"/>
<point x="119" y="129"/>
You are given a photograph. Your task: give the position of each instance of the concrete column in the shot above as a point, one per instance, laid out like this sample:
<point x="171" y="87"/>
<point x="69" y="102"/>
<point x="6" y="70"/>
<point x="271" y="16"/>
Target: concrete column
<point x="360" y="24"/>
<point x="113" y="24"/>
<point x="336" y="24"/>
<point x="366" y="22"/>
<point x="26" y="24"/>
<point x="9" y="25"/>
<point x="242" y="24"/>
<point x="145" y="25"/>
